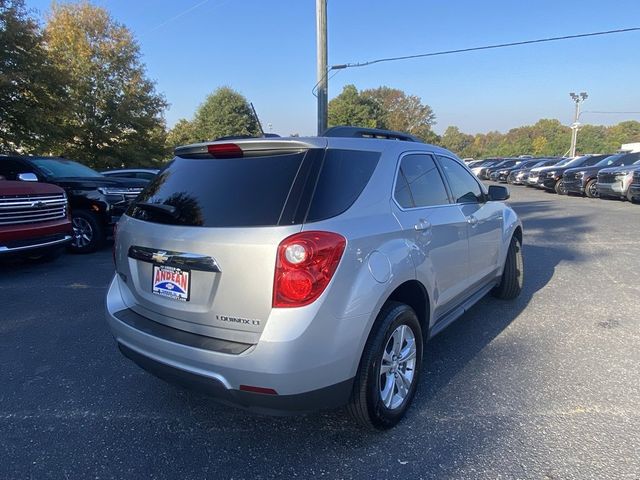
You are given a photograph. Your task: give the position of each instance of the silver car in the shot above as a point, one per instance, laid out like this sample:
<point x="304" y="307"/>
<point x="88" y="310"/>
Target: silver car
<point x="296" y="274"/>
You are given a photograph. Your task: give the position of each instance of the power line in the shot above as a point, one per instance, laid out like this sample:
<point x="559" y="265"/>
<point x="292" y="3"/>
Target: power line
<point x="486" y="47"/>
<point x="612" y="113"/>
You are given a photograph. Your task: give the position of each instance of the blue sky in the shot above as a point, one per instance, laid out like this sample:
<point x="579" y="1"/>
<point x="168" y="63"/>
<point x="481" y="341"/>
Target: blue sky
<point x="266" y="50"/>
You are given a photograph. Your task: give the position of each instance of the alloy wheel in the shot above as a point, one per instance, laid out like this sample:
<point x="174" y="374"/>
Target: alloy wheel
<point x="82" y="232"/>
<point x="398" y="366"/>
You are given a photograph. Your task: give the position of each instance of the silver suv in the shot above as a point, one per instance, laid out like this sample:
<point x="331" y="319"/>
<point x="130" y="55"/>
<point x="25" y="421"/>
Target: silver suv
<point x="306" y="273"/>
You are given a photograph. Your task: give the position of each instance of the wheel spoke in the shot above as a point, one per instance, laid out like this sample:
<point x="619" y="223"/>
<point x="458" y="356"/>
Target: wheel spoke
<point x="387" y="392"/>
<point x="400" y="385"/>
<point x="409" y="352"/>
<point x="406" y="379"/>
<point x="385" y="368"/>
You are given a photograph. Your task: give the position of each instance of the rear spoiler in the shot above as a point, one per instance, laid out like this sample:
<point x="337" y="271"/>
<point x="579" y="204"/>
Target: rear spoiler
<point x="258" y="147"/>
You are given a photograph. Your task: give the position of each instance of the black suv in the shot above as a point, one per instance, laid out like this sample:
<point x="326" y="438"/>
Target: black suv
<point x="96" y="202"/>
<point x="551" y="179"/>
<point x="584" y="180"/>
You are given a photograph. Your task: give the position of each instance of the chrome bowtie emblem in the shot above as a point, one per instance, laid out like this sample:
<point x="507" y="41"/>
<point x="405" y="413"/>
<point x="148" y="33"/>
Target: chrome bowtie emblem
<point x="160" y="257"/>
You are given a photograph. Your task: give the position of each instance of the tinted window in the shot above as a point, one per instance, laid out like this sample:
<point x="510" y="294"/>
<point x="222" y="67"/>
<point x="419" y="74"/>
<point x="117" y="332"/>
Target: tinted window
<point x="9" y="169"/>
<point x="592" y="160"/>
<point x="229" y="192"/>
<point x="344" y="175"/>
<point x="62" y="168"/>
<point x="618" y="160"/>
<point x="419" y="183"/>
<point x="464" y="187"/>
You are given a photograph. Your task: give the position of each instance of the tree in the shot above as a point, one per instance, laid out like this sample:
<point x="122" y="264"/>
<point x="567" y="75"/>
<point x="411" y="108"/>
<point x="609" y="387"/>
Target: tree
<point x="402" y="112"/>
<point x="624" y="132"/>
<point x="224" y="112"/>
<point x="30" y="89"/>
<point x="113" y="114"/>
<point x="456" y="141"/>
<point x="383" y="107"/>
<point x="352" y="108"/>
<point x="182" y="133"/>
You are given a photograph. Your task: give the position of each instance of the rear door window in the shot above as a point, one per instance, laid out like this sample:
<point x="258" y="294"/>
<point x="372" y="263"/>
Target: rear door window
<point x="419" y="183"/>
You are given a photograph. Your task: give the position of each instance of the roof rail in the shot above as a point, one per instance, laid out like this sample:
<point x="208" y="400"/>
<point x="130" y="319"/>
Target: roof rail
<point x="359" y="132"/>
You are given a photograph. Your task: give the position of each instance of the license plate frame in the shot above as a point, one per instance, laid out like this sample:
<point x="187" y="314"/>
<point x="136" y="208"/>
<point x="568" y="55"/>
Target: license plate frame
<point x="170" y="282"/>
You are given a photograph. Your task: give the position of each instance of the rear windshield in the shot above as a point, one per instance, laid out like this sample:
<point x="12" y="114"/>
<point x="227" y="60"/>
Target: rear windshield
<point x="273" y="190"/>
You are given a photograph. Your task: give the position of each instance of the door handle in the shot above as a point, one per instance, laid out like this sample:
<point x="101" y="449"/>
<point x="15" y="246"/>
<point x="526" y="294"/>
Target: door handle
<point x="422" y="225"/>
<point x="471" y="220"/>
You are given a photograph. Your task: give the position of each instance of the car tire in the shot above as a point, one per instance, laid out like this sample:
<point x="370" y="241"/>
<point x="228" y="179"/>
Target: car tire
<point x="380" y="399"/>
<point x="630" y="197"/>
<point x="591" y="188"/>
<point x="512" y="278"/>
<point x="88" y="232"/>
<point x="559" y="188"/>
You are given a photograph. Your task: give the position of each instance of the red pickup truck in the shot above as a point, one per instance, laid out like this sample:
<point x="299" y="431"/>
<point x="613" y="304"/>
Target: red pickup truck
<point x="34" y="219"/>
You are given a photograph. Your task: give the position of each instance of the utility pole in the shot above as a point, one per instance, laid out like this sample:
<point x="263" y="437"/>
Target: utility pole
<point x="321" y="71"/>
<point x="578" y="99"/>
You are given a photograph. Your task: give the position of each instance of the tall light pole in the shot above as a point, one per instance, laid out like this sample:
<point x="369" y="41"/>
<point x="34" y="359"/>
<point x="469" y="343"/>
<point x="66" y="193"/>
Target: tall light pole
<point x="321" y="70"/>
<point x="578" y="99"/>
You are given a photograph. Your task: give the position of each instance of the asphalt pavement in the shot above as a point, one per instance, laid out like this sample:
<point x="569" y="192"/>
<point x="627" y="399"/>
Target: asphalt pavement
<point x="544" y="387"/>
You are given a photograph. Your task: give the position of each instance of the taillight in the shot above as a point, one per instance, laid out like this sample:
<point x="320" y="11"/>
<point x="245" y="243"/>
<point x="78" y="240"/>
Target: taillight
<point x="305" y="265"/>
<point x="224" y="150"/>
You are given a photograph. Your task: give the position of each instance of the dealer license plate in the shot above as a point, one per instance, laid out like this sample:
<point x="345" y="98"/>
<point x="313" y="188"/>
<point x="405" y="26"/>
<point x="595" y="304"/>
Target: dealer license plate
<point x="171" y="282"/>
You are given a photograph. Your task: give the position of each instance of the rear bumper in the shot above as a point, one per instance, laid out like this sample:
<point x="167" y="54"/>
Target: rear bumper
<point x="304" y="374"/>
<point x="323" y="398"/>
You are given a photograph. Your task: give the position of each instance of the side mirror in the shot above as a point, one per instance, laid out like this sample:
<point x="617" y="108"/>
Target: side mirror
<point x="27" y="177"/>
<point x="498" y="193"/>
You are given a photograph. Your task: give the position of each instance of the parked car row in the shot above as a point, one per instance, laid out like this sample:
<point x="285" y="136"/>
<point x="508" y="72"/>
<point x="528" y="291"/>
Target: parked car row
<point x="47" y="203"/>
<point x="602" y="175"/>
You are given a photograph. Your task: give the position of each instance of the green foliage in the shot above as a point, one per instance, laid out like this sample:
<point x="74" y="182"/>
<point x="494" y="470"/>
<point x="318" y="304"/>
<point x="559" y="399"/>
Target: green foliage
<point x="224" y="112"/>
<point x="182" y="133"/>
<point x="547" y="137"/>
<point x="456" y="141"/>
<point x="30" y="90"/>
<point x="113" y="114"/>
<point x="352" y="108"/>
<point x="400" y="111"/>
<point x="382" y="107"/>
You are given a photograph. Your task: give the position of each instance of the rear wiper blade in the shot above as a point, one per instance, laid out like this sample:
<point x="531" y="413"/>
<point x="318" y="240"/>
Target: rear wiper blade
<point x="159" y="207"/>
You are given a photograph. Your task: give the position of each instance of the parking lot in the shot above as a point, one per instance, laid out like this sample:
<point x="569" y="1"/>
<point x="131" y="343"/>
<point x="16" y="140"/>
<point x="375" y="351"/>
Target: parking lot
<point x="545" y="387"/>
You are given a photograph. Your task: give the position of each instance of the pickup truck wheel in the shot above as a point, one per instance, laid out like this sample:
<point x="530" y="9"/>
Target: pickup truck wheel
<point x="389" y="369"/>
<point x="511" y="283"/>
<point x="591" y="188"/>
<point x="630" y="196"/>
<point x="559" y="188"/>
<point x="88" y="233"/>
